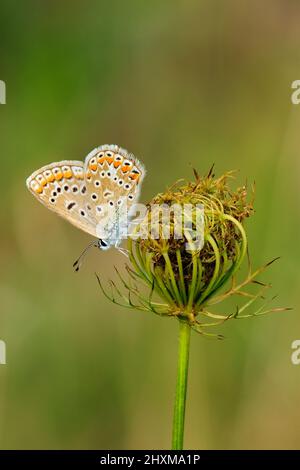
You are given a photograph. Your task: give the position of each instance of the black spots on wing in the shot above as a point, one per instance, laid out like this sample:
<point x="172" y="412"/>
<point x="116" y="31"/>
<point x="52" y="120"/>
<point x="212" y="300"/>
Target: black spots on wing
<point x="71" y="205"/>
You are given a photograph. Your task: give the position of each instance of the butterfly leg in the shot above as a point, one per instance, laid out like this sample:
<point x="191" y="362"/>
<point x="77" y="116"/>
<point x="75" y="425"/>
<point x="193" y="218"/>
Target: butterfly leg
<point x="123" y="251"/>
<point x="79" y="261"/>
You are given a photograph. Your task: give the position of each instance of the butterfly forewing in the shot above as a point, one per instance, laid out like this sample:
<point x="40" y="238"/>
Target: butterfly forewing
<point x="62" y="188"/>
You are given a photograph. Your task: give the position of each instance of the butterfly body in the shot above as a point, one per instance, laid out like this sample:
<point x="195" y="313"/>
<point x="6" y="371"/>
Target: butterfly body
<point x="93" y="195"/>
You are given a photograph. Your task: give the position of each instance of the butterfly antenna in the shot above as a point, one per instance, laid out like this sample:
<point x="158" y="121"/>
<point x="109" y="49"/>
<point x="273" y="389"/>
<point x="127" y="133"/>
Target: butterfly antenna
<point x="79" y="261"/>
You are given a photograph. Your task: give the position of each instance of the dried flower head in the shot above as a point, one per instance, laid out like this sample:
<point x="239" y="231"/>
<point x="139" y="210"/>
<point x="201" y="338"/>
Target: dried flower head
<point x="188" y="281"/>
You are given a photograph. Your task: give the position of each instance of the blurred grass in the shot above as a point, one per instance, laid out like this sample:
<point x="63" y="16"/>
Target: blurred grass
<point x="181" y="84"/>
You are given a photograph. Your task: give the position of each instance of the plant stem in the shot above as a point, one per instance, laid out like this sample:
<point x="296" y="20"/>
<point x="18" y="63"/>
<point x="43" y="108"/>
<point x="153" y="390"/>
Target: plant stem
<point x="181" y="385"/>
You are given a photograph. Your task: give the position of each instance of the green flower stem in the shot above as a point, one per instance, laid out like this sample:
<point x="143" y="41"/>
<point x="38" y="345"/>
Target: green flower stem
<point x="181" y="385"/>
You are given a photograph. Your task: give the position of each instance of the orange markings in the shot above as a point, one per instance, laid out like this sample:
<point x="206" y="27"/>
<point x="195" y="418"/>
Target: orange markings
<point x="101" y="160"/>
<point x="134" y="176"/>
<point x="109" y="160"/>
<point x="67" y="172"/>
<point x="126" y="168"/>
<point x="41" y="180"/>
<point x="36" y="187"/>
<point x="93" y="166"/>
<point x="57" y="174"/>
<point x="49" y="176"/>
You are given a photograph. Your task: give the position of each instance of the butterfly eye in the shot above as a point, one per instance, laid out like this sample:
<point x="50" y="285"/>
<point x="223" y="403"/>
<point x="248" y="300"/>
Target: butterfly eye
<point x="109" y="154"/>
<point x="94" y="196"/>
<point x="130" y="197"/>
<point x="103" y="244"/>
<point x="74" y="189"/>
<point x="127" y="186"/>
<point x="120" y="182"/>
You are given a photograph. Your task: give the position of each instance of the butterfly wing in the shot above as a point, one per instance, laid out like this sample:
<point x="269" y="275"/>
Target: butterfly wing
<point x="62" y="188"/>
<point x="113" y="178"/>
<point x="79" y="192"/>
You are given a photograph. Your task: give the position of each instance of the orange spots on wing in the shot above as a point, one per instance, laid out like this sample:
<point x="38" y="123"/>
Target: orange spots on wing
<point x="58" y="175"/>
<point x="126" y="168"/>
<point x="36" y="187"/>
<point x="117" y="164"/>
<point x="49" y="176"/>
<point x="109" y="160"/>
<point x="93" y="166"/>
<point x="41" y="180"/>
<point x="67" y="172"/>
<point x="101" y="159"/>
<point x="134" y="176"/>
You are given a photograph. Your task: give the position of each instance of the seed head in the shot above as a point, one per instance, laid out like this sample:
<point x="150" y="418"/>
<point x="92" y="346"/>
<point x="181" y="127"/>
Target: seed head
<point x="187" y="265"/>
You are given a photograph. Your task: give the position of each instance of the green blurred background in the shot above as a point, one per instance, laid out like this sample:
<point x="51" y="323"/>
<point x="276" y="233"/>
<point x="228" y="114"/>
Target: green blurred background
<point x="181" y="84"/>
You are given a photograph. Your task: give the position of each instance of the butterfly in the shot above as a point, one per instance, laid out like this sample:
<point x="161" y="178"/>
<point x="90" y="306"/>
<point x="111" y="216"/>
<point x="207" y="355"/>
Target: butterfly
<point x="95" y="195"/>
